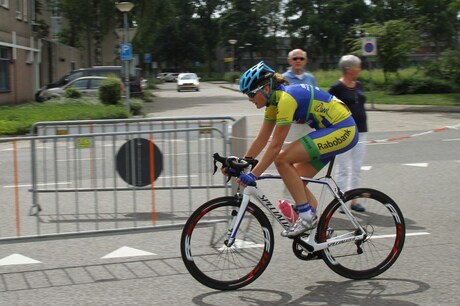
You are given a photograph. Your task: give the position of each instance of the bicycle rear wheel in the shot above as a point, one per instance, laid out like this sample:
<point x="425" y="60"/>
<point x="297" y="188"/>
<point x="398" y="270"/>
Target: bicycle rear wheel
<point x="210" y="261"/>
<point x="385" y="230"/>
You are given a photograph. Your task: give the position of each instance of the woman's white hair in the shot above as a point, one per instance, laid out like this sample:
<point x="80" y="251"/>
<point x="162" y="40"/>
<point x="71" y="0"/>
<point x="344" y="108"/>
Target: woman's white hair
<point x="348" y="61"/>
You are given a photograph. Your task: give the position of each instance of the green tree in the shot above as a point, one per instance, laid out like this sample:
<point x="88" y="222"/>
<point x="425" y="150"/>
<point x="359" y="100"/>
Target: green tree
<point x="272" y="23"/>
<point x="89" y="22"/>
<point x="455" y="7"/>
<point x="241" y="22"/>
<point x="152" y="18"/>
<point x="173" y="36"/>
<point x="384" y="10"/>
<point x="208" y="24"/>
<point x="323" y="27"/>
<point x="395" y="39"/>
<point x="439" y="20"/>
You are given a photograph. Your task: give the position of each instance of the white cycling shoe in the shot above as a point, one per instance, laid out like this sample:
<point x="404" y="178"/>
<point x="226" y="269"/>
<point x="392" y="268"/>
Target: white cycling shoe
<point x="300" y="227"/>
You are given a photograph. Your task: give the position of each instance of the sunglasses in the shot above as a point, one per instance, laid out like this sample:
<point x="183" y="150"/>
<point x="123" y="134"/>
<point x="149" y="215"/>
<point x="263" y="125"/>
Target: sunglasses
<point x="251" y="94"/>
<point x="298" y="58"/>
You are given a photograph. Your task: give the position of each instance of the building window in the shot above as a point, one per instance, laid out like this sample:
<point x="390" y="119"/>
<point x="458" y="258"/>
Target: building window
<point x="25" y="10"/>
<point x="33" y="12"/>
<point x="4" y="69"/>
<point x="18" y="9"/>
<point x="5" y="3"/>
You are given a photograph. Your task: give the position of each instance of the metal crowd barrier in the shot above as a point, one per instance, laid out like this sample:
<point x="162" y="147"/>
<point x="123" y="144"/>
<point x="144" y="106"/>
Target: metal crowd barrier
<point x="112" y="176"/>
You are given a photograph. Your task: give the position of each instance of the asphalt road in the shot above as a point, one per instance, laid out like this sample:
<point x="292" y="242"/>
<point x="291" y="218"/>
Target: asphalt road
<point x="409" y="157"/>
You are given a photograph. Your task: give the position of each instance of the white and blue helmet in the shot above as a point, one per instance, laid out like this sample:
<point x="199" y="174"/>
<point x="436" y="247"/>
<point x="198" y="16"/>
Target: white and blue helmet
<point x="254" y="76"/>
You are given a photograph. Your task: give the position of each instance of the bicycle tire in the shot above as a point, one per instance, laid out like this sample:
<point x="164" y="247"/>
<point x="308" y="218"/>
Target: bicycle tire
<point x="385" y="227"/>
<point x="214" y="264"/>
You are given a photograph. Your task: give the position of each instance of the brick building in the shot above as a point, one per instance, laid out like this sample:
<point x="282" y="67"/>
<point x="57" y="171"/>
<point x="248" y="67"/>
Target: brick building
<point x="27" y="59"/>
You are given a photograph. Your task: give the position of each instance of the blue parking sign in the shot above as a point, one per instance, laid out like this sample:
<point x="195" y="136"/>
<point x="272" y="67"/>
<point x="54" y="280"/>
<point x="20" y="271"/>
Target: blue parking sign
<point x="126" y="52"/>
<point x="147" y="57"/>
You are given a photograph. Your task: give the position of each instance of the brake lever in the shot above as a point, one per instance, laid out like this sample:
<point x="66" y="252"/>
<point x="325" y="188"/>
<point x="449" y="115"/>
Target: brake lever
<point x="216" y="157"/>
<point x="215" y="167"/>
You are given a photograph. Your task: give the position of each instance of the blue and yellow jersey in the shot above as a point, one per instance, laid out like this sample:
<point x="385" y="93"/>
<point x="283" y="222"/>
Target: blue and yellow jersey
<point x="303" y="103"/>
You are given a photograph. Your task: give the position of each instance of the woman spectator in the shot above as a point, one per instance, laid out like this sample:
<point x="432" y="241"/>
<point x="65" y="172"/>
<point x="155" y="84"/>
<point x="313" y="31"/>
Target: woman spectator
<point x="349" y="90"/>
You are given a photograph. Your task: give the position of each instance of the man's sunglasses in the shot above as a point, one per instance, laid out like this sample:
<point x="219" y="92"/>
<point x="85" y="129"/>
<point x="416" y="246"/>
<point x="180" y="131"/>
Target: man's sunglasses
<point x="251" y="94"/>
<point x="298" y="58"/>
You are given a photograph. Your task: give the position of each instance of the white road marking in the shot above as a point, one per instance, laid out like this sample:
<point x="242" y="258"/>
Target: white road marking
<point x="178" y="176"/>
<point x="382" y="143"/>
<point x="79" y="159"/>
<point x="17" y="259"/>
<point x="417" y="165"/>
<point x="241" y="244"/>
<point x="366" y="168"/>
<point x="393" y="235"/>
<point x="127" y="252"/>
<point x="30" y="185"/>
<point x="11" y="149"/>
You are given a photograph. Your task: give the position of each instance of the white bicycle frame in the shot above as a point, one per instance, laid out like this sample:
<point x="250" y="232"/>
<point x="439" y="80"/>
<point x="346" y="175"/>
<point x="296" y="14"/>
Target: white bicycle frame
<point x="257" y="193"/>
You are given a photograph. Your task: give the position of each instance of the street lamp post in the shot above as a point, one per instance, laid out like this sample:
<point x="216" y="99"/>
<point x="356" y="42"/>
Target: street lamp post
<point x="233" y="42"/>
<point x="125" y="8"/>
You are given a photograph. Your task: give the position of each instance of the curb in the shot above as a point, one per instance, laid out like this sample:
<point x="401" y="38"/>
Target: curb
<point x="412" y="108"/>
<point x="235" y="88"/>
<point x="393" y="107"/>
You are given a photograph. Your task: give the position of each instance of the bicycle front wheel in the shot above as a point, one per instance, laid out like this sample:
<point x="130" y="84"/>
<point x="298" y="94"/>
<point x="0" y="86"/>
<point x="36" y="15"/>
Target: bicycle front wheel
<point x="207" y="257"/>
<point x="384" y="228"/>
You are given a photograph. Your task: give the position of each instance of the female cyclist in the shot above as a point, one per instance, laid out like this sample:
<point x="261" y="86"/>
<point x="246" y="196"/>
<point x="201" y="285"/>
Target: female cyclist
<point x="335" y="132"/>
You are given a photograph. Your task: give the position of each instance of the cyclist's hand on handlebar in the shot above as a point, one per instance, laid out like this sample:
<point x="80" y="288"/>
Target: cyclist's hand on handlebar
<point x="248" y="179"/>
<point x="227" y="171"/>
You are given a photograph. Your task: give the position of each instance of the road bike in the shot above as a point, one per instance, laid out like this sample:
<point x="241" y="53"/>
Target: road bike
<point x="228" y="242"/>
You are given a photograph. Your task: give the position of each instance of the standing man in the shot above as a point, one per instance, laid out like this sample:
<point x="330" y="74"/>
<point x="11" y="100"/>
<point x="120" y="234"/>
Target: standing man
<point x="296" y="74"/>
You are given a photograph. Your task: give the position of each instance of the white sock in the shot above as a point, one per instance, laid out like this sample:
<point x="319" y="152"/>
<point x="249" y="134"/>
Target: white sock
<point x="306" y="212"/>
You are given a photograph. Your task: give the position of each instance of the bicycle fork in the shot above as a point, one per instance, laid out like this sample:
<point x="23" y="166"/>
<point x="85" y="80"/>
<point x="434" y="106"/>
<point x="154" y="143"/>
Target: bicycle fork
<point x="238" y="217"/>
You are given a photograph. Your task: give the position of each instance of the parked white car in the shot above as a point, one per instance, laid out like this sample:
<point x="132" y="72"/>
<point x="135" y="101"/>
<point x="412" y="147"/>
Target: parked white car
<point x="171" y="77"/>
<point x="162" y="75"/>
<point x="144" y="85"/>
<point x="188" y="81"/>
<point x="88" y="86"/>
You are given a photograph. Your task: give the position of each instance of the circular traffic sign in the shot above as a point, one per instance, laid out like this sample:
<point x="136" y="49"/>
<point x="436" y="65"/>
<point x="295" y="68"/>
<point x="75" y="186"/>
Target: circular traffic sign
<point x="369" y="47"/>
<point x="133" y="162"/>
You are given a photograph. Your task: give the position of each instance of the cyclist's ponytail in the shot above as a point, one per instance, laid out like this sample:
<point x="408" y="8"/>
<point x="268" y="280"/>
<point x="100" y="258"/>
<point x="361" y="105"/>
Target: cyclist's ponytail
<point x="278" y="80"/>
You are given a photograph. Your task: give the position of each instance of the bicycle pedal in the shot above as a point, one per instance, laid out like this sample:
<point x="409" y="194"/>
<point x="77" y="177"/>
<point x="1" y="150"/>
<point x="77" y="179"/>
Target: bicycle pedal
<point x="313" y="256"/>
<point x="303" y="236"/>
<point x="303" y="254"/>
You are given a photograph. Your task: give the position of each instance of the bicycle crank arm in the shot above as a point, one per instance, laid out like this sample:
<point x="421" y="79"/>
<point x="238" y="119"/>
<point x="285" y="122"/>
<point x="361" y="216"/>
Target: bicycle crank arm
<point x="305" y="245"/>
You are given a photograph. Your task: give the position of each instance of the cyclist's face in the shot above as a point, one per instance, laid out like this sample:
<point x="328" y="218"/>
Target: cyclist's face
<point x="259" y="99"/>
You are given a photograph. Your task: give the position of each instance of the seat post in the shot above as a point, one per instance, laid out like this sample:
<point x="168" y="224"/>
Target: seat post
<point x="329" y="169"/>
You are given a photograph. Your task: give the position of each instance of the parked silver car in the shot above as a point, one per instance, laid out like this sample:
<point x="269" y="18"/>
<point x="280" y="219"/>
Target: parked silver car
<point x="135" y="85"/>
<point x="171" y="77"/>
<point x="162" y="75"/>
<point x="88" y="86"/>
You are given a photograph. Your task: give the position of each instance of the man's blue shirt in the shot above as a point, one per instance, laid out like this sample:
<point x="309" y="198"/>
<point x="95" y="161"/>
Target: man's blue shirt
<point x="307" y="78"/>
